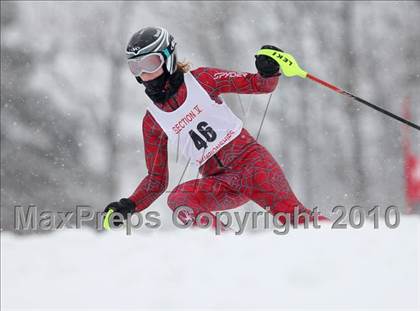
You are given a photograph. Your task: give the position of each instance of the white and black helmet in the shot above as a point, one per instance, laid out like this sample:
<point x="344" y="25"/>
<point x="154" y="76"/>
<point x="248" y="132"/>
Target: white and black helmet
<point x="153" y="40"/>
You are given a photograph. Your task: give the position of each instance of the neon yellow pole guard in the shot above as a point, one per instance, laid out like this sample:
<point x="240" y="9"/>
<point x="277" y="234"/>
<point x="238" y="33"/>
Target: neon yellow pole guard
<point x="106" y="219"/>
<point x="288" y="64"/>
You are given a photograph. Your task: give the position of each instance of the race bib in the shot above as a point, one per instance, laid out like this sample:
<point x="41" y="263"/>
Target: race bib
<point x="200" y="127"/>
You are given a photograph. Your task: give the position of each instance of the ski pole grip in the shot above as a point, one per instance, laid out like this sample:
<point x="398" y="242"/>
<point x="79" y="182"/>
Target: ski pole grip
<point x="106" y="219"/>
<point x="286" y="61"/>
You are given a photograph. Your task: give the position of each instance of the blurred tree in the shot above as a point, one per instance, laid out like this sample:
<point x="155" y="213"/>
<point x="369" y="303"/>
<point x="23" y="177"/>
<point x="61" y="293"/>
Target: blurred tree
<point x="348" y="67"/>
<point x="110" y="123"/>
<point x="100" y="38"/>
<point x="40" y="155"/>
<point x="302" y="32"/>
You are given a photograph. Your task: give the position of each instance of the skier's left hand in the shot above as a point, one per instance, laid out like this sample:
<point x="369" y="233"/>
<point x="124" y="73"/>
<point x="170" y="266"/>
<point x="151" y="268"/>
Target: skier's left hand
<point x="124" y="207"/>
<point x="266" y="66"/>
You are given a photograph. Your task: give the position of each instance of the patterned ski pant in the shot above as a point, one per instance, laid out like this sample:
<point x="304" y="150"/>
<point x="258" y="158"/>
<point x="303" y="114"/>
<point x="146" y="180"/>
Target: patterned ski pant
<point x="255" y="175"/>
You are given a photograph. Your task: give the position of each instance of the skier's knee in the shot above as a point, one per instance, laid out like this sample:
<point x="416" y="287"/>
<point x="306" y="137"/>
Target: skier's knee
<point x="177" y="200"/>
<point x="183" y="195"/>
<point x="171" y="201"/>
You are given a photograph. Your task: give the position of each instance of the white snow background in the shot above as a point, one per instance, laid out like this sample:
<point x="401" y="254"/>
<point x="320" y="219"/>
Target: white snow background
<point x="193" y="268"/>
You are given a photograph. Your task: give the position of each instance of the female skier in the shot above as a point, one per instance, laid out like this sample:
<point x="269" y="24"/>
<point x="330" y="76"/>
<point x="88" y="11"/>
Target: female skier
<point x="187" y="110"/>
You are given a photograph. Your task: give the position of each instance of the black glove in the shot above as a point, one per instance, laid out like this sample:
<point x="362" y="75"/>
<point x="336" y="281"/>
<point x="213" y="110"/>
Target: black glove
<point x="124" y="207"/>
<point x="266" y="66"/>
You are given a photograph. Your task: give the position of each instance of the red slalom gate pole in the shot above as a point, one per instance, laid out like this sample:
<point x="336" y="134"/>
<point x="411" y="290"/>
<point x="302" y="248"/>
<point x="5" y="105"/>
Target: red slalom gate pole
<point x="361" y="100"/>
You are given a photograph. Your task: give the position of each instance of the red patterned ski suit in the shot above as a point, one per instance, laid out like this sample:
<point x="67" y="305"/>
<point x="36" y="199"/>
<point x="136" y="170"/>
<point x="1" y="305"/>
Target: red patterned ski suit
<point x="241" y="171"/>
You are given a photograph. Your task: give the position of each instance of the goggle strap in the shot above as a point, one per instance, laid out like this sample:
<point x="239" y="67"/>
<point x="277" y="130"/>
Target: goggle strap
<point x="166" y="52"/>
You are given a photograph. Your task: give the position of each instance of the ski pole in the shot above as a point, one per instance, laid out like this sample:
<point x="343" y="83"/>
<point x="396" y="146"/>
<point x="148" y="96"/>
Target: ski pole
<point x="290" y="68"/>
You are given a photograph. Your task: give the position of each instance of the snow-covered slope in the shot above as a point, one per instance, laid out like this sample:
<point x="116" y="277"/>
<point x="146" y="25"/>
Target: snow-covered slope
<point x="81" y="269"/>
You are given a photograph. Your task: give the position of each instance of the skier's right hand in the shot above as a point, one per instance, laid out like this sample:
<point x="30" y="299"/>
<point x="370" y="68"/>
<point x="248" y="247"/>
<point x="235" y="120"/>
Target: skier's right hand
<point x="124" y="207"/>
<point x="266" y="66"/>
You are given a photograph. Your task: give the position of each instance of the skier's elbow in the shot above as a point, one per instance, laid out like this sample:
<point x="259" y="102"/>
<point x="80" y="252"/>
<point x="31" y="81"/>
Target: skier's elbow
<point x="163" y="187"/>
<point x="159" y="184"/>
<point x="159" y="189"/>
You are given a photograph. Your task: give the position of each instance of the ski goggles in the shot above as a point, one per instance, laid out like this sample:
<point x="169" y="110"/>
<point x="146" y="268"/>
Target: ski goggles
<point x="149" y="63"/>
